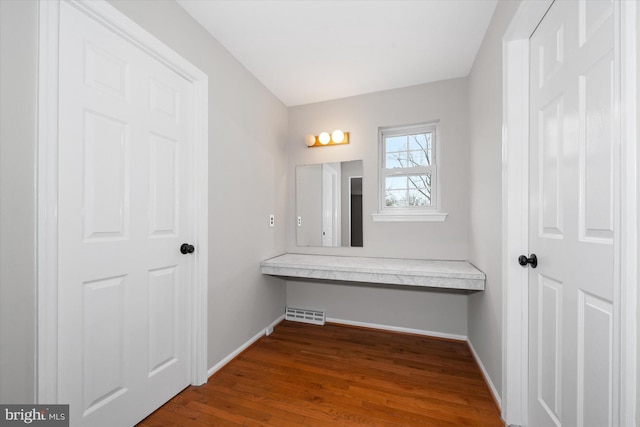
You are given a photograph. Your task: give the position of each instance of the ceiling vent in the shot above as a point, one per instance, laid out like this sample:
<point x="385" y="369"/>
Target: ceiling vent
<point x="306" y="316"/>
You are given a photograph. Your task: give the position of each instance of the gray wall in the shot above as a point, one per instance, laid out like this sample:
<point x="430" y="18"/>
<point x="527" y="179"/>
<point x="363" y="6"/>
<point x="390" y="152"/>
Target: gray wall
<point x="247" y="169"/>
<point x="485" y="230"/>
<point x="361" y="116"/>
<point x="18" y="59"/>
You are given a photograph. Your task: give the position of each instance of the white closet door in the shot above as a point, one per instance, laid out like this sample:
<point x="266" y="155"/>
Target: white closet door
<point x="573" y="140"/>
<point x="124" y="285"/>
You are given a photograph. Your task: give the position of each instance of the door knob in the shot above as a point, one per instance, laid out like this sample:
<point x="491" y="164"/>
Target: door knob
<point x="533" y="260"/>
<point x="187" y="248"/>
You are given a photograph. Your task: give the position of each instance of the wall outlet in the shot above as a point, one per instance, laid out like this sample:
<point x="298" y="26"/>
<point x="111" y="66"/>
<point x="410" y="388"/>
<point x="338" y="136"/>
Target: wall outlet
<point x="299" y="221"/>
<point x="272" y="220"/>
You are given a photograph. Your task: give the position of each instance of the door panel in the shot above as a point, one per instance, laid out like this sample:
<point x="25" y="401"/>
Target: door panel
<point x="124" y="195"/>
<point x="163" y="328"/>
<point x="163" y="164"/>
<point x="549" y="381"/>
<point x="573" y="136"/>
<point x="106" y="71"/>
<point x="596" y="151"/>
<point x="595" y="360"/>
<point x="106" y="177"/>
<point x="103" y="338"/>
<point x="551" y="197"/>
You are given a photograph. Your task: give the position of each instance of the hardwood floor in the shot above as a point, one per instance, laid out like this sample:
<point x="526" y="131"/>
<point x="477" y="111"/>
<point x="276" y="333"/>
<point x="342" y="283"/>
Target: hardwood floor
<point x="334" y="375"/>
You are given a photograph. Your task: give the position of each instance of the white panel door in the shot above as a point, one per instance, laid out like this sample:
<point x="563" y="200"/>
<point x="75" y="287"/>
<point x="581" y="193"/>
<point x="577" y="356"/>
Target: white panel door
<point x="573" y="139"/>
<point x="123" y="292"/>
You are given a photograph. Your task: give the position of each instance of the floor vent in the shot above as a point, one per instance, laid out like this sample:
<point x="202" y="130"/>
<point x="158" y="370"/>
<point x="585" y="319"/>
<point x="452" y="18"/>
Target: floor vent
<point x="306" y="316"/>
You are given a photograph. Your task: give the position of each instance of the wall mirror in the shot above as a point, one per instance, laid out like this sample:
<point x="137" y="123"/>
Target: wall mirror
<point x="329" y="204"/>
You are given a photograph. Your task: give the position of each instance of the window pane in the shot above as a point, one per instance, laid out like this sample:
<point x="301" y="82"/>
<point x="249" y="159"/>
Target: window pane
<point x="419" y="181"/>
<point x="420" y="141"/>
<point x="408" y="151"/>
<point x="396" y="160"/>
<point x="395" y="143"/>
<point x="419" y="190"/>
<point x="396" y="198"/>
<point x="396" y="183"/>
<point x="408" y="190"/>
<point x="419" y="198"/>
<point x="418" y="158"/>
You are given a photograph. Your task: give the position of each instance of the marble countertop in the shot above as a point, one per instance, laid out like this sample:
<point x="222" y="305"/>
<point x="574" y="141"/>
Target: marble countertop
<point x="404" y="272"/>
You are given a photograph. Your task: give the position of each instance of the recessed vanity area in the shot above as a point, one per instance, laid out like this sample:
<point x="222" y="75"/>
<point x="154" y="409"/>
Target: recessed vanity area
<point x="329" y="214"/>
<point x="406" y="272"/>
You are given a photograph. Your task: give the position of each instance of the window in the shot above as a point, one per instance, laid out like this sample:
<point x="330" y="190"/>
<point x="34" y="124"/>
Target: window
<point x="409" y="174"/>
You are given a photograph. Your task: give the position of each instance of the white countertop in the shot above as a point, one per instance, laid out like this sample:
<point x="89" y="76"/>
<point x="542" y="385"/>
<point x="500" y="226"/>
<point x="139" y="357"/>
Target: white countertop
<point x="404" y="272"/>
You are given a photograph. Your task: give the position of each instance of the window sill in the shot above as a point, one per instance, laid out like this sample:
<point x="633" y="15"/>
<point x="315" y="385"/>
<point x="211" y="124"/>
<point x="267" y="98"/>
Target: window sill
<point x="409" y="217"/>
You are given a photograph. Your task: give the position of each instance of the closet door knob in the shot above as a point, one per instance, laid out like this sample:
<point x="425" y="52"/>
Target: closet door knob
<point x="187" y="248"/>
<point x="533" y="260"/>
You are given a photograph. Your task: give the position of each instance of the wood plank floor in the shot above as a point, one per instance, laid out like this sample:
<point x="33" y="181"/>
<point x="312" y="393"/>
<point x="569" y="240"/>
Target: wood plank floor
<point x="334" y="375"/>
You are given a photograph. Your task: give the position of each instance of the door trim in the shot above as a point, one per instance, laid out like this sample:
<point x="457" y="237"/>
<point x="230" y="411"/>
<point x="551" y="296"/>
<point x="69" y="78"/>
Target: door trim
<point x="628" y="255"/>
<point x="515" y="190"/>
<point x="515" y="209"/>
<point x="47" y="171"/>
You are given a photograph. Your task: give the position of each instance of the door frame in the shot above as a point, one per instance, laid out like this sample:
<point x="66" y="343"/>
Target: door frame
<point x="515" y="211"/>
<point x="47" y="199"/>
<point x="351" y="178"/>
<point x="336" y="223"/>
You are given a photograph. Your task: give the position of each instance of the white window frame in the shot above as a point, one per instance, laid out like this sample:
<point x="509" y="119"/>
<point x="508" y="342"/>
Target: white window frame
<point x="410" y="213"/>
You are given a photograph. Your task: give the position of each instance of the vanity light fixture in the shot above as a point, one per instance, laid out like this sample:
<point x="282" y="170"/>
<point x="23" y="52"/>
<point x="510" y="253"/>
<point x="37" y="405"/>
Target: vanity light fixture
<point x="324" y="138"/>
<point x="337" y="137"/>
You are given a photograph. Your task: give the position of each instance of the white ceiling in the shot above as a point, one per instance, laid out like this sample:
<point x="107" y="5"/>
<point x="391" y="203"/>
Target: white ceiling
<point x="308" y="51"/>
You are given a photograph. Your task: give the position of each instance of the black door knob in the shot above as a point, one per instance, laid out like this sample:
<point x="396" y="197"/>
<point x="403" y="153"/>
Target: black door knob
<point x="533" y="260"/>
<point x="187" y="248"/>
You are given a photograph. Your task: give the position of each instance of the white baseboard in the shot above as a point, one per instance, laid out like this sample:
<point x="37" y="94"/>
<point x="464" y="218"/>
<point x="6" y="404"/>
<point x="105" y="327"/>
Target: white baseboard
<point x="398" y="329"/>
<point x="243" y="347"/>
<point x="486" y="376"/>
